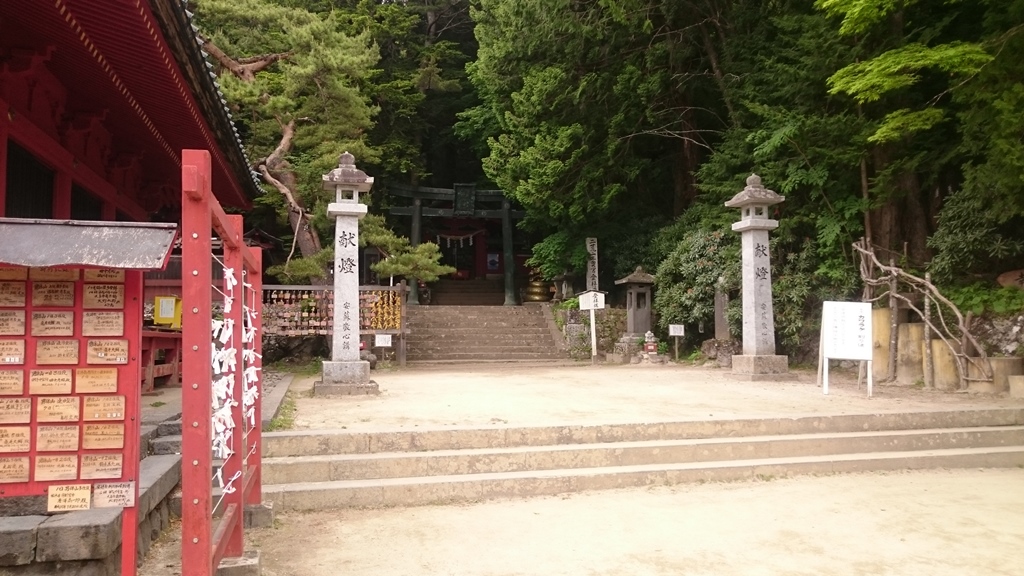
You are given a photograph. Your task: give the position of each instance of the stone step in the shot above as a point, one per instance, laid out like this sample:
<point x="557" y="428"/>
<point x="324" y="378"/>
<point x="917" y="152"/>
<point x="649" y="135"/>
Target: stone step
<point x="378" y="493"/>
<point x="335" y="467"/>
<point x="324" y="442"/>
<point x="472" y="357"/>
<point x="482" y="299"/>
<point x="471" y="326"/>
<point x="532" y="341"/>
<point x="433" y="309"/>
<point x="474" y="335"/>
<point x="477" y="347"/>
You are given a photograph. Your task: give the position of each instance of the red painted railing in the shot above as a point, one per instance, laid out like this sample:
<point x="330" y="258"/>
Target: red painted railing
<point x="221" y="368"/>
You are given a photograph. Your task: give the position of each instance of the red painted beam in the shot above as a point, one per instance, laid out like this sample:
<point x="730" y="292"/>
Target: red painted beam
<point x="231" y="520"/>
<point x="50" y="152"/>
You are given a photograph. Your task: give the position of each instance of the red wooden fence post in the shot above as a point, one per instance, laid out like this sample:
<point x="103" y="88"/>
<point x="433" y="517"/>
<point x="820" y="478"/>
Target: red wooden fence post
<point x="196" y="395"/>
<point x="233" y="471"/>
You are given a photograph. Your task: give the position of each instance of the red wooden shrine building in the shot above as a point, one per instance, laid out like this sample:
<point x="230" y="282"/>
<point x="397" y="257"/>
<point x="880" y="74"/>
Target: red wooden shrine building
<point x="99" y="99"/>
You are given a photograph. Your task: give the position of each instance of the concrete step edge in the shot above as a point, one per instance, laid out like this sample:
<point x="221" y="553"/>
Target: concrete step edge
<point x="475" y="487"/>
<point x="287" y="443"/>
<point x="269" y="461"/>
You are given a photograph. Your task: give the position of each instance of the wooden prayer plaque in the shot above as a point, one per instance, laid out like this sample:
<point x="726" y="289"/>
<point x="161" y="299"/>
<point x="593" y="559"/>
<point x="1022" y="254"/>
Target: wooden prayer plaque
<point x="95" y="380"/>
<point x="98" y="466"/>
<point x="15" y="438"/>
<point x="56" y="468"/>
<point x="13" y="470"/>
<point x="12" y="352"/>
<point x="57" y="439"/>
<point x="13" y="273"/>
<point x="106" y="352"/>
<point x="53" y="294"/>
<point x="12" y="382"/>
<point x="103" y="436"/>
<point x="53" y="323"/>
<point x="54" y="273"/>
<point x="102" y="323"/>
<point x="44" y="382"/>
<point x="103" y="296"/>
<point x="104" y="275"/>
<point x="12" y="322"/>
<point x="57" y="409"/>
<point x="104" y="408"/>
<point x="12" y="294"/>
<point x="68" y="497"/>
<point x="113" y="495"/>
<point x="15" y="410"/>
<point x="56" y="352"/>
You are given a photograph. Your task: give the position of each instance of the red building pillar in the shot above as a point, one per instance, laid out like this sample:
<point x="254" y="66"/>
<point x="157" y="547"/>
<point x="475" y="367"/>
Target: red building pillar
<point x="480" y="242"/>
<point x="5" y="129"/>
<point x="62" y="196"/>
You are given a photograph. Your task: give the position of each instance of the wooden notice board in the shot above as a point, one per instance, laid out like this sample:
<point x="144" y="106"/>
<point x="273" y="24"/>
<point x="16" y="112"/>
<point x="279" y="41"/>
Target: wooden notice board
<point x="70" y="340"/>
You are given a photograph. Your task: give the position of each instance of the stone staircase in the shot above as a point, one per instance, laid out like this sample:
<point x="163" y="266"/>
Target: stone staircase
<point x="478" y="292"/>
<point x="481" y="334"/>
<point x="312" y="470"/>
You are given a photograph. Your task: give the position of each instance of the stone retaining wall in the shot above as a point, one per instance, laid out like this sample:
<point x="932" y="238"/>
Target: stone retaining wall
<point x="88" y="542"/>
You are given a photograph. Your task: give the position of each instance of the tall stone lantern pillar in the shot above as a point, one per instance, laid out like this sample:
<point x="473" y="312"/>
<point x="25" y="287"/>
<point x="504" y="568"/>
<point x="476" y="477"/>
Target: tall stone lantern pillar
<point x="346" y="373"/>
<point x="758" y="361"/>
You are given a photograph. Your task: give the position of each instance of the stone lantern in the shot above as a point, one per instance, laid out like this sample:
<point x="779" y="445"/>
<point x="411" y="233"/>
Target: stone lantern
<point x="758" y="361"/>
<point x="346" y="373"/>
<point x="638" y="301"/>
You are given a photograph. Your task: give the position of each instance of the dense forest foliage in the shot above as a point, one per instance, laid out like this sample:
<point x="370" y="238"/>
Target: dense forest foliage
<point x="900" y="121"/>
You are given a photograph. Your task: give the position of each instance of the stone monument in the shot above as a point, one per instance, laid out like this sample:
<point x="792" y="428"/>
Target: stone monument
<point x="638" y="315"/>
<point x="346" y="373"/>
<point x="758" y="361"/>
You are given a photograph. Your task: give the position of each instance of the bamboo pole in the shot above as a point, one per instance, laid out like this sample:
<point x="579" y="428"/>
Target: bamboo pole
<point x="929" y="362"/>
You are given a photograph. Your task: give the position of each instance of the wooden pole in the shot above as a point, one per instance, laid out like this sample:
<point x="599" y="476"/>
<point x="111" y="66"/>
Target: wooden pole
<point x="929" y="362"/>
<point x="893" y="325"/>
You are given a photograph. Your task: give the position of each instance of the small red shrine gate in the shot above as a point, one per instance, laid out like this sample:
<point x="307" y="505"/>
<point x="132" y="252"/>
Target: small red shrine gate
<point x="221" y="361"/>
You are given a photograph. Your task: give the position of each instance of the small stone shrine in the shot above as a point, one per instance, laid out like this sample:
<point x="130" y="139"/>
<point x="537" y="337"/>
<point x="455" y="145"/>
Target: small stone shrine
<point x="638" y="301"/>
<point x="758" y="361"/>
<point x="638" y="314"/>
<point x="346" y="373"/>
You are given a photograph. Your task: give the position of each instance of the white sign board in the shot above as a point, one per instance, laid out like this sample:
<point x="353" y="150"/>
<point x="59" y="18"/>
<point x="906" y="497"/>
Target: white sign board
<point x="846" y="330"/>
<point x="675" y="330"/>
<point x="845" y="335"/>
<point x="382" y="340"/>
<point x="591" y="265"/>
<point x="592" y="301"/>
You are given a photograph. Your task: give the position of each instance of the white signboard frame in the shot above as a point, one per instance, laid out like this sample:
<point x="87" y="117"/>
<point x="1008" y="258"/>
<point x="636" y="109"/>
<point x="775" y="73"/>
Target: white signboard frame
<point x="846" y="334"/>
<point x="382" y="340"/>
<point x="592" y="300"/>
<point x="676" y="330"/>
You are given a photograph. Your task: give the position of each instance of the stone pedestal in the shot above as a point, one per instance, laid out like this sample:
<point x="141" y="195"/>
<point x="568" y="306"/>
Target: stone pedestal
<point x="762" y="367"/>
<point x="345" y="379"/>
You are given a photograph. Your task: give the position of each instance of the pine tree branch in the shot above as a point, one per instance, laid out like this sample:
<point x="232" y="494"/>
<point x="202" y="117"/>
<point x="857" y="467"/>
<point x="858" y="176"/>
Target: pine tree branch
<point x="244" y="69"/>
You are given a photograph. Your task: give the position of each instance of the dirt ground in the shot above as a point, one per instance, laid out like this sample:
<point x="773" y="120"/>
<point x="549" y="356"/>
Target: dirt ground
<point x="925" y="522"/>
<point x="511" y="395"/>
<point x="964" y="522"/>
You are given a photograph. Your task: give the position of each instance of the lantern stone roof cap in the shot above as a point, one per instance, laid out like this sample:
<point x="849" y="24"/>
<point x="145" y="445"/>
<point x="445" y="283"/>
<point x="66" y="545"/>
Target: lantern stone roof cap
<point x="637" y="277"/>
<point x="346" y="172"/>
<point x="754" y="193"/>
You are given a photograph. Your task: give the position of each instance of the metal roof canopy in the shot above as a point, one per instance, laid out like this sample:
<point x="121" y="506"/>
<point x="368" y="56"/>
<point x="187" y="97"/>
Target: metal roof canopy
<point x="124" y="245"/>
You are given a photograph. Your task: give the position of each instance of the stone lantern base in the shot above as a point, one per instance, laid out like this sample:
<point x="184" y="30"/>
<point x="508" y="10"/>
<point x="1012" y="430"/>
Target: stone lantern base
<point x="345" y="379"/>
<point x="760" y="367"/>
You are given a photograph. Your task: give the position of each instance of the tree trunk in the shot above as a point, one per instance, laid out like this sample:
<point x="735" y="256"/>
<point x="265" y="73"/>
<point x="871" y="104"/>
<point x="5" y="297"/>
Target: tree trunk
<point x="684" y="184"/>
<point x="278" y="173"/>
